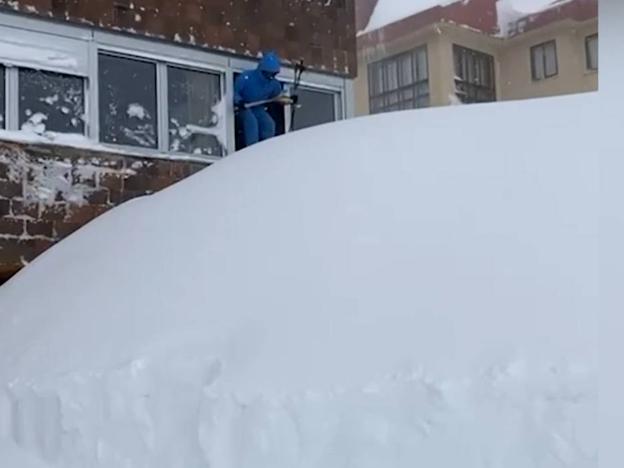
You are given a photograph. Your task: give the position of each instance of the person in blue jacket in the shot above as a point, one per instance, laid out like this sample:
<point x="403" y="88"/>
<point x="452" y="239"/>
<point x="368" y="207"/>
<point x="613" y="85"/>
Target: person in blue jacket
<point x="258" y="85"/>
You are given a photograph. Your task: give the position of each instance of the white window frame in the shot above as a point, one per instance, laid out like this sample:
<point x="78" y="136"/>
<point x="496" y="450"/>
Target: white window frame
<point x="588" y="57"/>
<point x="91" y="42"/>
<point x="544" y="46"/>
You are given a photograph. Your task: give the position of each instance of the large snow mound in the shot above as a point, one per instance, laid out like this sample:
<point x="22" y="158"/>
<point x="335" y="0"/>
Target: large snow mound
<point x="410" y="289"/>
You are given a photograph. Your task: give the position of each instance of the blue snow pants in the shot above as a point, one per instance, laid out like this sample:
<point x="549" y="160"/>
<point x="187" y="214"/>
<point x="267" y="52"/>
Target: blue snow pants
<point x="258" y="125"/>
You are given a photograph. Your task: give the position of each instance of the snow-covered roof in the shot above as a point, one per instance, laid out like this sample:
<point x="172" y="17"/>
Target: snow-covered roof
<point x="367" y="293"/>
<point x="387" y="12"/>
<point x="391" y="11"/>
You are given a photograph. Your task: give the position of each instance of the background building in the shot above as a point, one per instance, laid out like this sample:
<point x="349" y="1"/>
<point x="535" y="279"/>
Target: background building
<point x="474" y="51"/>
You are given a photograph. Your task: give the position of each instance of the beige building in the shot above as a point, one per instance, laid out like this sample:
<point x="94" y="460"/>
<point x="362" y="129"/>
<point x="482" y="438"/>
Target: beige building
<point x="458" y="54"/>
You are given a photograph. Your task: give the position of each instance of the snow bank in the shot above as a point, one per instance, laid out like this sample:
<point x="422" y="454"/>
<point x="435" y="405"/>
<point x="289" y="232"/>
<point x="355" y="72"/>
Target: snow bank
<point x="408" y="289"/>
<point x="14" y="457"/>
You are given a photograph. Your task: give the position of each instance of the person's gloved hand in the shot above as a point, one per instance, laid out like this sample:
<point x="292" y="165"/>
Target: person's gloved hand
<point x="284" y="100"/>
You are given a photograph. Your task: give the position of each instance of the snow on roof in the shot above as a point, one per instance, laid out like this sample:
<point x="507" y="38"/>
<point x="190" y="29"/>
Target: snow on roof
<point x="366" y="293"/>
<point x="390" y="11"/>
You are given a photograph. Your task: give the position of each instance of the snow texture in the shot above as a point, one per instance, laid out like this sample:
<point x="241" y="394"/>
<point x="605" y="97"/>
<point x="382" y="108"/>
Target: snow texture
<point x="34" y="50"/>
<point x="375" y="292"/>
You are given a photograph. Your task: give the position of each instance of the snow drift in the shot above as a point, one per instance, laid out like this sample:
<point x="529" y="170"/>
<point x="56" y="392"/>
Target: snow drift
<point x="409" y="289"/>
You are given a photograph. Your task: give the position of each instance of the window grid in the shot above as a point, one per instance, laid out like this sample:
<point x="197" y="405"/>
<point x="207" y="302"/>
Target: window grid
<point x="544" y="61"/>
<point x="475" y="79"/>
<point x="400" y="82"/>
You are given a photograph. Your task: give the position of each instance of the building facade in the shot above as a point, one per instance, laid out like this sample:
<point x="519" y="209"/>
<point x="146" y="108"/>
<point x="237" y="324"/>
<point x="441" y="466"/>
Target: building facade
<point x="102" y="101"/>
<point x="467" y="52"/>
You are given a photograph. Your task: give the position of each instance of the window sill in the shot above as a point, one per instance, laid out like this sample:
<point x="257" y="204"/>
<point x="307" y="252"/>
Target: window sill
<point x="542" y="80"/>
<point x="82" y="142"/>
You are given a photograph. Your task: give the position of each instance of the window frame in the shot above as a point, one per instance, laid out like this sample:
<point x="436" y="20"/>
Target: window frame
<point x="543" y="46"/>
<point x="85" y="97"/>
<point x="380" y="67"/>
<point x="588" y="66"/>
<point x="5" y="90"/>
<point x="222" y="90"/>
<point x="491" y="62"/>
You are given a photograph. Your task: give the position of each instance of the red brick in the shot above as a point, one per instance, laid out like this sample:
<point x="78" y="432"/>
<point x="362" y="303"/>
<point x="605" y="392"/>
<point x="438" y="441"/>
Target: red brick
<point x="63" y="229"/>
<point x="10" y="189"/>
<point x="40" y="228"/>
<point x="13" y="227"/>
<point x="159" y="183"/>
<point x="131" y="194"/>
<point x="21" y="208"/>
<point x="29" y="249"/>
<point x="99" y="197"/>
<point x="84" y="214"/>
<point x="115" y="197"/>
<point x="56" y="212"/>
<point x="5" y="207"/>
<point x="137" y="182"/>
<point x="111" y="181"/>
<point x="10" y="253"/>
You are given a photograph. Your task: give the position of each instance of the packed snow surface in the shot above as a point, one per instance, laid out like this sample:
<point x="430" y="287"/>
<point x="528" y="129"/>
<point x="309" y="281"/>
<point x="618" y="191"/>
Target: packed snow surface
<point x="410" y="289"/>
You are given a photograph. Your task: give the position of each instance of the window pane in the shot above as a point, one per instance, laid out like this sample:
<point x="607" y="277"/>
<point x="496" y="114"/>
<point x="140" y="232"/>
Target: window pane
<point x="193" y="96"/>
<point x="423" y="71"/>
<point x="128" y="113"/>
<point x="407" y="76"/>
<point x="538" y="63"/>
<point x="551" y="59"/>
<point x="592" y="53"/>
<point x="2" y="99"/>
<point x="317" y="107"/>
<point x="392" y="75"/>
<point x="51" y="102"/>
<point x="422" y="102"/>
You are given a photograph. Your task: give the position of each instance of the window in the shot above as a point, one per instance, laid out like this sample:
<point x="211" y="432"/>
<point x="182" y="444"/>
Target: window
<point x="591" y="51"/>
<point x="544" y="61"/>
<point x="317" y="107"/>
<point x="51" y="102"/>
<point x="2" y="98"/>
<point x="128" y="109"/>
<point x="193" y="115"/>
<point x="400" y="82"/>
<point x="474" y="75"/>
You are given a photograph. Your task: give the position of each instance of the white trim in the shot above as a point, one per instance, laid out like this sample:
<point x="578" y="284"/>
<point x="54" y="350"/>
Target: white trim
<point x="228" y="95"/>
<point x="94" y="96"/>
<point x="162" y="107"/>
<point x="43" y="51"/>
<point x="12" y="98"/>
<point x="20" y="21"/>
<point x="161" y="51"/>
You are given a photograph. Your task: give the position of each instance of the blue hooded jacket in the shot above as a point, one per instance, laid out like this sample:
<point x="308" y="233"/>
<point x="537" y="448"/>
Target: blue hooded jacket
<point x="252" y="85"/>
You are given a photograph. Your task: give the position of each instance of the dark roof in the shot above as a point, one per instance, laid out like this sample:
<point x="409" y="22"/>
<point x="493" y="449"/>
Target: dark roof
<point x="478" y="14"/>
<point x="577" y="10"/>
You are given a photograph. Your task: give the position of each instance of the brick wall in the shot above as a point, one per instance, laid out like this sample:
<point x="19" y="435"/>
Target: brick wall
<point x="321" y="32"/>
<point x="47" y="192"/>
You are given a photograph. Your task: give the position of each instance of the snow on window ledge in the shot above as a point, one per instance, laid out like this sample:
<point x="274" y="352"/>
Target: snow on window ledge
<point x="82" y="142"/>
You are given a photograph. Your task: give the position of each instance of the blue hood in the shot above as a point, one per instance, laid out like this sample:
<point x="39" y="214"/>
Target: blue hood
<point x="270" y="63"/>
